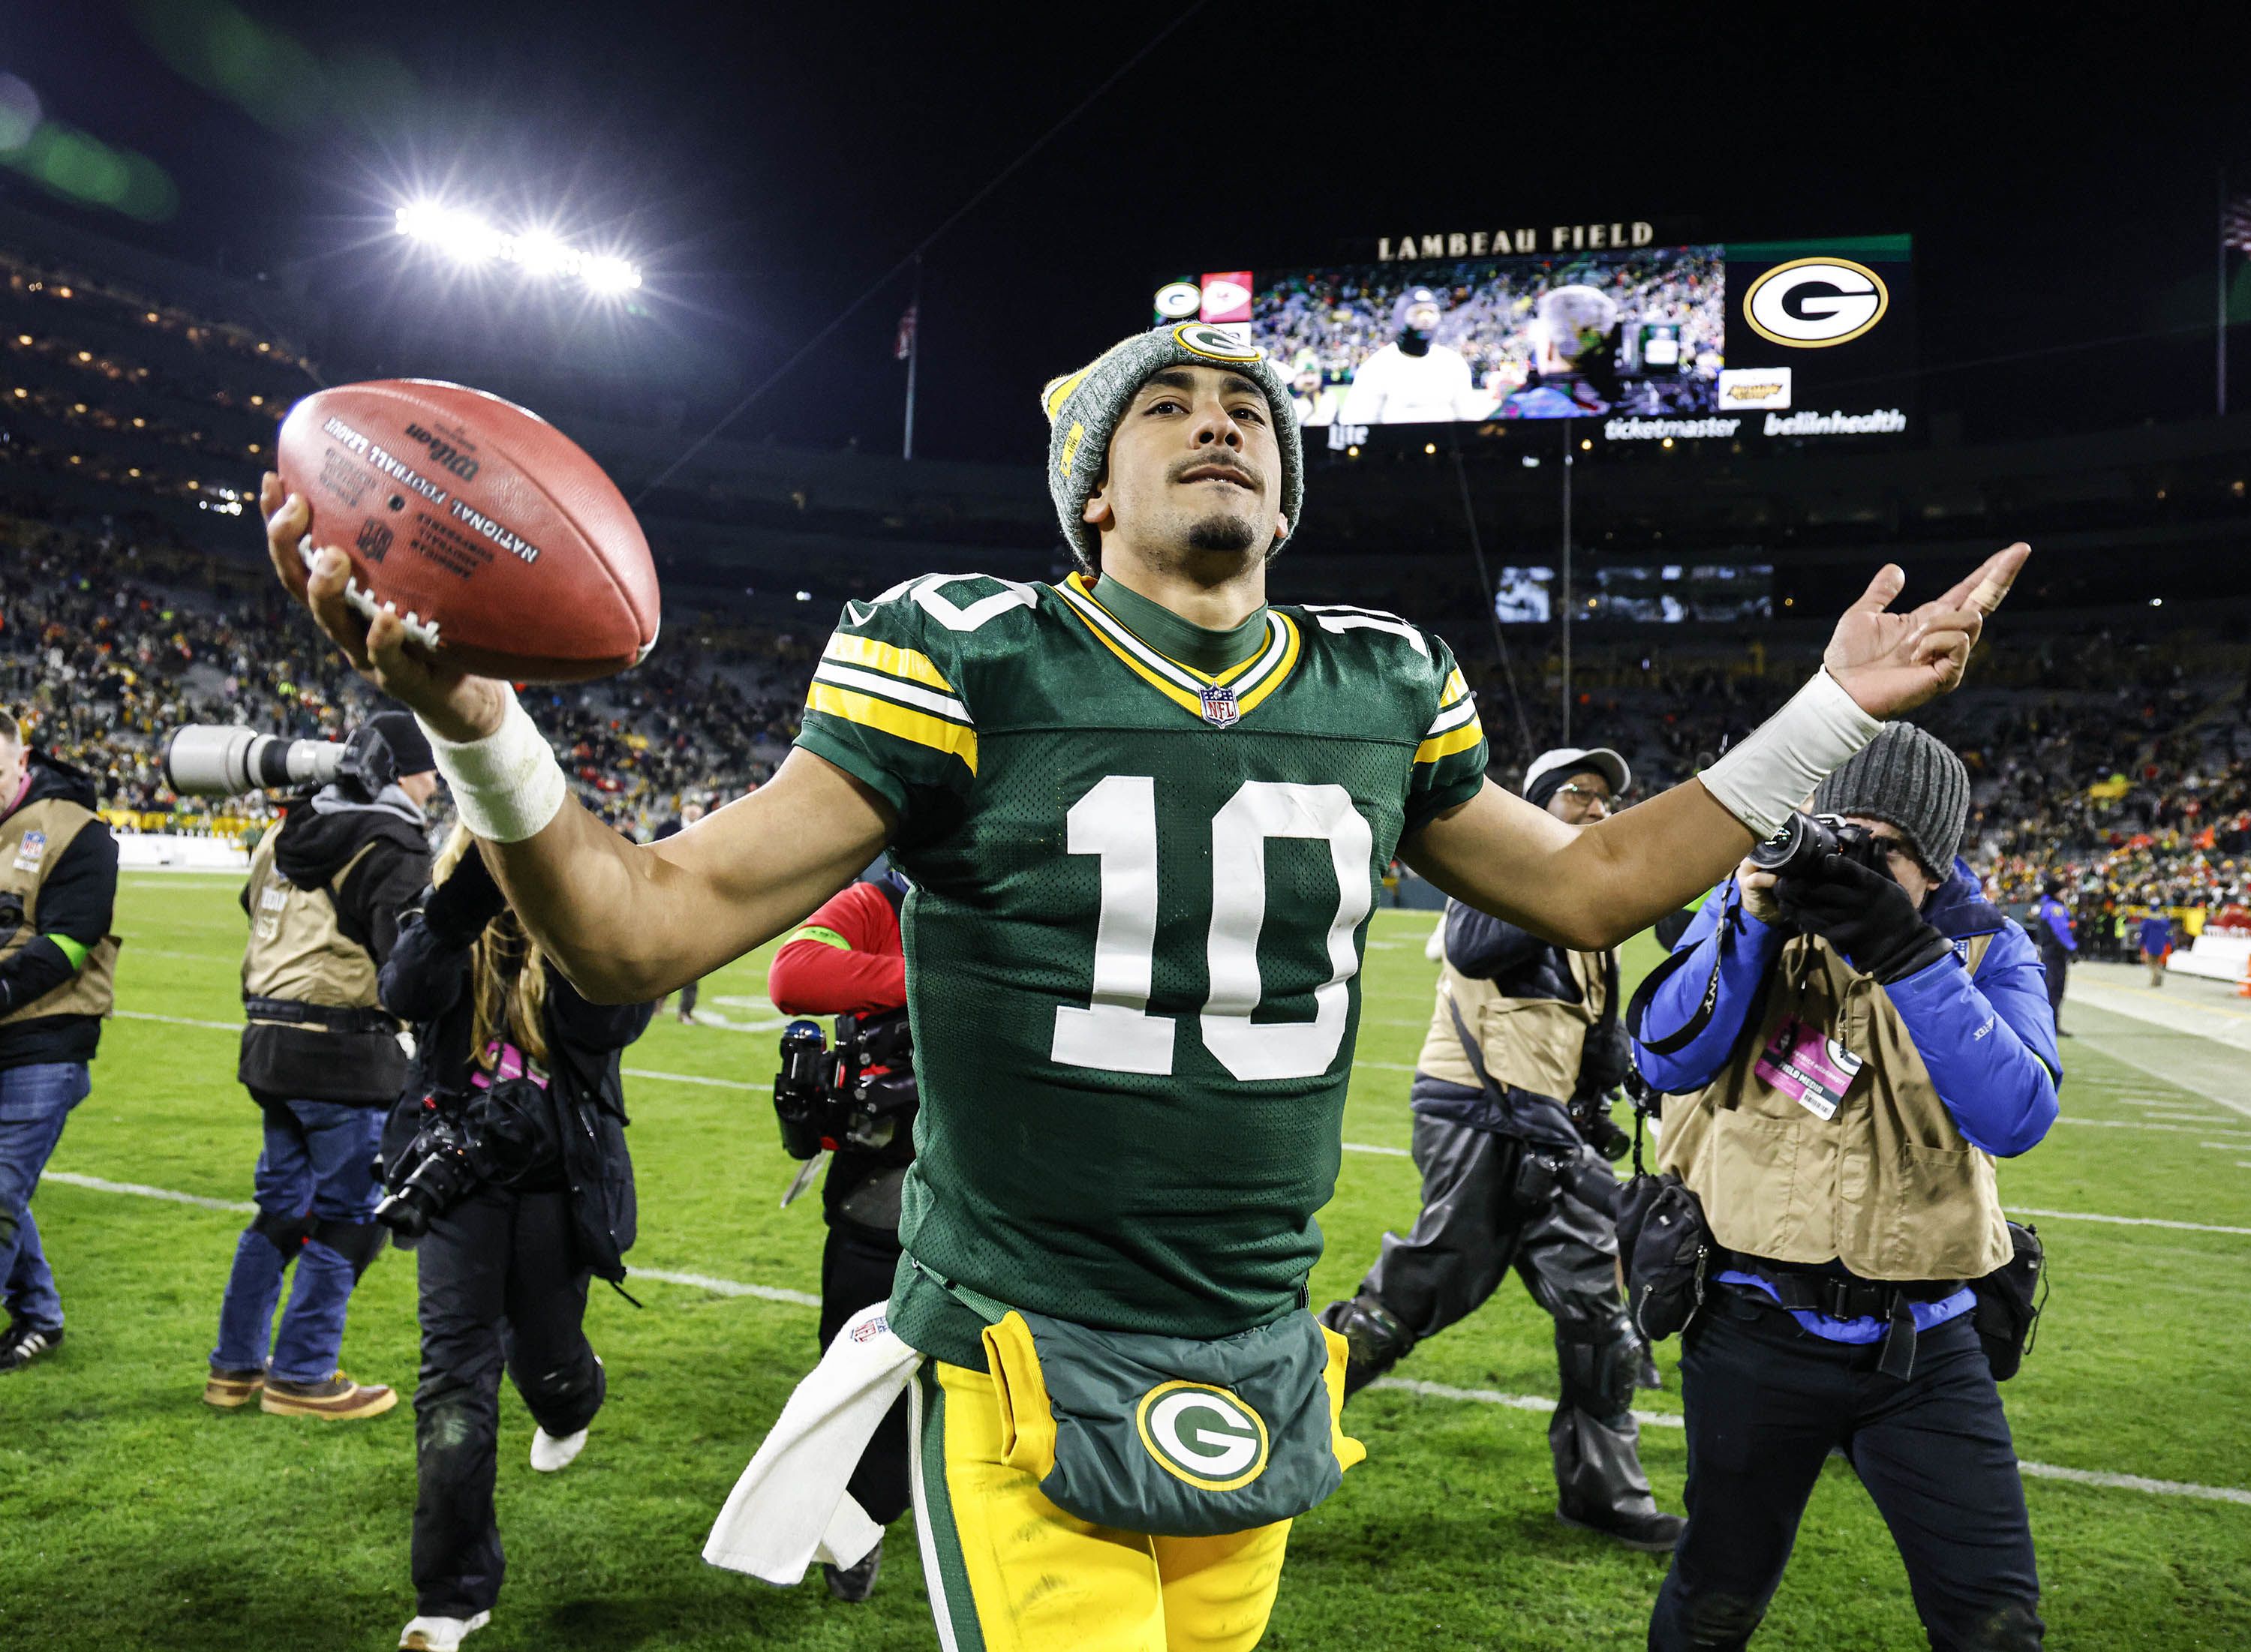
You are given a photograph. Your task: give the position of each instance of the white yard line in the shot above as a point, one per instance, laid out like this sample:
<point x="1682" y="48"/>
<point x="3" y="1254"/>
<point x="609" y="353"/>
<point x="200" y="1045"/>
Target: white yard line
<point x="1364" y="1147"/>
<point x="2127" y="1221"/>
<point x="1427" y="1390"/>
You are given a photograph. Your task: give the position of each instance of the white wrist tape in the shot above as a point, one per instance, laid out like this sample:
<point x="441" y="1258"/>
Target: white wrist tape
<point x="507" y="785"/>
<point x="1776" y="767"/>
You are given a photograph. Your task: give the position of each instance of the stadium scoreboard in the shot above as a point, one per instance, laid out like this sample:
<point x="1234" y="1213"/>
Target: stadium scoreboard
<point x="1634" y="340"/>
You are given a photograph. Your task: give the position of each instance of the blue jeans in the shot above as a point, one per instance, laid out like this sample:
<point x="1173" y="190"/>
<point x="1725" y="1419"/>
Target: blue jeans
<point x="317" y="1166"/>
<point x="34" y="1103"/>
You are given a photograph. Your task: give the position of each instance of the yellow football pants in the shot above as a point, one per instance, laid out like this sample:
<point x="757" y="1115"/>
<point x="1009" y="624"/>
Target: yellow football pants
<point x="1010" y="1571"/>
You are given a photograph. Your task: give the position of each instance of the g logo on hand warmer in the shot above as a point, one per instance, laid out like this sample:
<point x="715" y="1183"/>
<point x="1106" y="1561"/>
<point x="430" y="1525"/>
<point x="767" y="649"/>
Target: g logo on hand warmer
<point x="1201" y="1434"/>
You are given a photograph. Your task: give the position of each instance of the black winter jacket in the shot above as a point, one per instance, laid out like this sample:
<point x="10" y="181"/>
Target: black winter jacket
<point x="425" y="981"/>
<point x="319" y="836"/>
<point x="77" y="899"/>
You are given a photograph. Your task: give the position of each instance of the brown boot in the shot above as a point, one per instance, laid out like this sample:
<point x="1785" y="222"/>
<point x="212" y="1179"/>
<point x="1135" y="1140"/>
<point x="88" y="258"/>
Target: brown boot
<point x="227" y="1389"/>
<point x="338" y="1398"/>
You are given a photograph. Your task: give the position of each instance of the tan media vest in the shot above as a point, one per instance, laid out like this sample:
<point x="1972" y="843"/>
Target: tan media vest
<point x="1888" y="1186"/>
<point x="296" y="950"/>
<point x="32" y="843"/>
<point x="1535" y="1044"/>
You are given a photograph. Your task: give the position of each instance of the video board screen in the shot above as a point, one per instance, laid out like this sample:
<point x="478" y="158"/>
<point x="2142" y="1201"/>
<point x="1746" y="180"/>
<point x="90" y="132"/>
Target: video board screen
<point x="1697" y="341"/>
<point x="1662" y="593"/>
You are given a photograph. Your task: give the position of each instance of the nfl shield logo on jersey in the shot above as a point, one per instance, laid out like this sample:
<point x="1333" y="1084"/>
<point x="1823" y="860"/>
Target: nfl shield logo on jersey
<point x="1219" y="707"/>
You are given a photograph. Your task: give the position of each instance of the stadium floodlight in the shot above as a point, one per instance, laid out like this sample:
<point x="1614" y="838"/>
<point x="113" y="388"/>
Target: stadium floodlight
<point x="468" y="238"/>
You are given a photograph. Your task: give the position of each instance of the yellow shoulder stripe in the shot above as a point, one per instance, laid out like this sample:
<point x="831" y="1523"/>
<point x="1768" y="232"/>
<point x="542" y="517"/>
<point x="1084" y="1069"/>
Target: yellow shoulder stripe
<point x="1273" y="679"/>
<point x="905" y="663"/>
<point x="1444" y="745"/>
<point x="1455" y="688"/>
<point x="1180" y="696"/>
<point x="898" y="722"/>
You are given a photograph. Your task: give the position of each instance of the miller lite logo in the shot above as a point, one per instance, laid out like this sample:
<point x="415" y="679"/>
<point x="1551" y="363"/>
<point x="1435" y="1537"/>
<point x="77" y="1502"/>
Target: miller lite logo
<point x="1220" y="709"/>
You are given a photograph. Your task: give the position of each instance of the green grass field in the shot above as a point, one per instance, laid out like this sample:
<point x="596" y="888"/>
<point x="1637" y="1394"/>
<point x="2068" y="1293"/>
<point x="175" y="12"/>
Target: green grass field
<point x="133" y="1516"/>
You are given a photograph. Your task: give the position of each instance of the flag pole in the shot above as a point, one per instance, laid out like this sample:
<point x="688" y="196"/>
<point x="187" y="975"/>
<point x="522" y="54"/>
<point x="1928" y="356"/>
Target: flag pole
<point x="2219" y="326"/>
<point x="914" y="353"/>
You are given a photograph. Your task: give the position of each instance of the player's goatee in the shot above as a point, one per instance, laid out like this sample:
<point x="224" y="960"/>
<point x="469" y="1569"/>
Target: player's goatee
<point x="1222" y="533"/>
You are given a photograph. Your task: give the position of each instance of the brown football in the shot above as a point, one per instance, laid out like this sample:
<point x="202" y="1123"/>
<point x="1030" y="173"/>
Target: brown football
<point x="505" y="549"/>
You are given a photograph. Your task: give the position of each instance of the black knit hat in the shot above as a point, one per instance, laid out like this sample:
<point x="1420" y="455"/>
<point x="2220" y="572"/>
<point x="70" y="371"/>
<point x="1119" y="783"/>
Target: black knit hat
<point x="1908" y="778"/>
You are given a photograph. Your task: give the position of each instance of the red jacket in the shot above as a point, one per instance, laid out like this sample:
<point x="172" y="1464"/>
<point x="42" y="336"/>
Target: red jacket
<point x="845" y="959"/>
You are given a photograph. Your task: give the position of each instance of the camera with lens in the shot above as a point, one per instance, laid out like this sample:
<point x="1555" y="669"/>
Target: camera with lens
<point x="221" y="760"/>
<point x="1590" y="1116"/>
<point x="504" y="1133"/>
<point x="216" y="760"/>
<point x="1797" y="849"/>
<point x="857" y="1096"/>
<point x="438" y="1169"/>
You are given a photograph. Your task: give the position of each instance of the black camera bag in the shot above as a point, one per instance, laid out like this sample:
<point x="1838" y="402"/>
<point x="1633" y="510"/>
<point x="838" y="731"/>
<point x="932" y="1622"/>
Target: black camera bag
<point x="2010" y="1300"/>
<point x="1663" y="1241"/>
<point x="514" y="1134"/>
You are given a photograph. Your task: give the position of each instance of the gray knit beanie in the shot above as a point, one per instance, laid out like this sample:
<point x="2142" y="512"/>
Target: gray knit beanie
<point x="1908" y="778"/>
<point x="1083" y="408"/>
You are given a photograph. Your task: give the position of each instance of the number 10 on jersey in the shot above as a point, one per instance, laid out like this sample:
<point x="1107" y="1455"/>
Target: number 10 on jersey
<point x="1116" y="821"/>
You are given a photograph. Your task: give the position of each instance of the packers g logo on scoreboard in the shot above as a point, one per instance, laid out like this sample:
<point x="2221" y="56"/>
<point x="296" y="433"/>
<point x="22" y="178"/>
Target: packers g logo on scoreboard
<point x="1810" y="303"/>
<point x="1202" y="1435"/>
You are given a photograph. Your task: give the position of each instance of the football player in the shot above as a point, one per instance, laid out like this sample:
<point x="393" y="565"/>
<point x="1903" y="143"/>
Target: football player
<point x="1145" y="812"/>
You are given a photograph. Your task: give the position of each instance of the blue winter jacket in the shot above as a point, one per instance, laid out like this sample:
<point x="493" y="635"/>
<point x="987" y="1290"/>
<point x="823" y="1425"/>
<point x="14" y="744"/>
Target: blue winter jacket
<point x="1989" y="1040"/>
<point x="2054" y="913"/>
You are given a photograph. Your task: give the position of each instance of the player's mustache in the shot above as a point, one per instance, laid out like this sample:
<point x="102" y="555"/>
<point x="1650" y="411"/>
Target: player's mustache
<point x="1234" y="469"/>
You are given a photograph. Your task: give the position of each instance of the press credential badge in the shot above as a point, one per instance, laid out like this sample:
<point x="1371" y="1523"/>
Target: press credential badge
<point x="1811" y="1068"/>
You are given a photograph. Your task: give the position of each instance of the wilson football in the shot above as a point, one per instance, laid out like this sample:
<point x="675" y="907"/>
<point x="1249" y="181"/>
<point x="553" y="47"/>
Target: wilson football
<point x="504" y="548"/>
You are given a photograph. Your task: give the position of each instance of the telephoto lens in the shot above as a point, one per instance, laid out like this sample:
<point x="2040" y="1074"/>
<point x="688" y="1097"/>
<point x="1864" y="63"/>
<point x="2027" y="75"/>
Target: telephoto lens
<point x="220" y="760"/>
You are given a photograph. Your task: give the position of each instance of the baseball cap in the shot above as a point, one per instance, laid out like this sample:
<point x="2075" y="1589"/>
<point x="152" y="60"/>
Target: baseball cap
<point x="1564" y="762"/>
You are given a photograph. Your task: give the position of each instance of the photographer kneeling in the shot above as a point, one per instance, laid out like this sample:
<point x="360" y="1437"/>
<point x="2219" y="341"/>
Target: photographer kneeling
<point x="1865" y="1034"/>
<point x="507" y="1162"/>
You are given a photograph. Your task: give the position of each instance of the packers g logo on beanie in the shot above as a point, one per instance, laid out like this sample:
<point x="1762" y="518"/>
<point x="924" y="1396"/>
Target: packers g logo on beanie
<point x="1083" y="410"/>
<point x="1202" y="1435"/>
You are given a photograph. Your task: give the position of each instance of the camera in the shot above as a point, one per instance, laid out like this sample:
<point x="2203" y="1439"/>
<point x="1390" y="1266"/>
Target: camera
<point x="855" y="1096"/>
<point x="218" y="760"/>
<point x="1797" y="849"/>
<point x="438" y="1166"/>
<point x="1590" y="1116"/>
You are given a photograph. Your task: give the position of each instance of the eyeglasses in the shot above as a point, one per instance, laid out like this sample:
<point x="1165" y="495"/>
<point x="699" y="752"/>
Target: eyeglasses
<point x="1572" y="788"/>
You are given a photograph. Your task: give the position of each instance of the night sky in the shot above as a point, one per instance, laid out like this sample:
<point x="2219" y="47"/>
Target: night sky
<point x="766" y="163"/>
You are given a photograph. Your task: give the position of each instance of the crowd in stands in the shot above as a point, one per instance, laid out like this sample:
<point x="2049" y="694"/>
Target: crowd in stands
<point x="112" y="635"/>
<point x="2136" y="792"/>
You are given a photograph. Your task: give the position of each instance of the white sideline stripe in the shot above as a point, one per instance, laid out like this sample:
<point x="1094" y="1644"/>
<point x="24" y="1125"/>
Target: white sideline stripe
<point x="1365" y="1147"/>
<point x="2129" y="1221"/>
<point x="1667" y="1420"/>
<point x="689" y="1078"/>
<point x="700" y="1282"/>
<point x="726" y="1287"/>
<point x="97" y="1185"/>
<point x="1429" y="1390"/>
<point x="630" y="1072"/>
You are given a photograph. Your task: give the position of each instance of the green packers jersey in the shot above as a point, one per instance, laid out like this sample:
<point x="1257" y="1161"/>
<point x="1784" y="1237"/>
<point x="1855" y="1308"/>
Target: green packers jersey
<point x="1133" y="947"/>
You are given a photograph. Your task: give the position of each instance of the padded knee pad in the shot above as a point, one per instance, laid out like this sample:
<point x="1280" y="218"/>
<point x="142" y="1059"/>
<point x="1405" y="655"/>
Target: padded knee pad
<point x="358" y="1243"/>
<point x="1601" y="1361"/>
<point x="1375" y="1340"/>
<point x="2016" y="1627"/>
<point x="285" y="1233"/>
<point x="1721" y="1619"/>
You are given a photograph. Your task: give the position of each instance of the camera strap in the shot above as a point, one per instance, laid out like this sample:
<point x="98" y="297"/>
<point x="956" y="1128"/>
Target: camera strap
<point x="1638" y="1012"/>
<point x="1520" y="1107"/>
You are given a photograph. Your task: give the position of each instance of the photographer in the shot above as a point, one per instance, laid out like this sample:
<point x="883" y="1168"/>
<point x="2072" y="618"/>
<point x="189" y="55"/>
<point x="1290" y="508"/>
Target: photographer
<point x="507" y="1162"/>
<point x="58" y="959"/>
<point x="848" y="960"/>
<point x="322" y="1062"/>
<point x="1511" y="1090"/>
<point x="2058" y="937"/>
<point x="1863" y="1035"/>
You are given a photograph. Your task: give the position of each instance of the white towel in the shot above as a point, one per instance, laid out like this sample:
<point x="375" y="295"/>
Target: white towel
<point x="790" y="1508"/>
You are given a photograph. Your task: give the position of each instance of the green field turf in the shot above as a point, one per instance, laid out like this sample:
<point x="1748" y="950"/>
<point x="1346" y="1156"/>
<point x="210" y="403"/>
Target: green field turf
<point x="133" y="1516"/>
